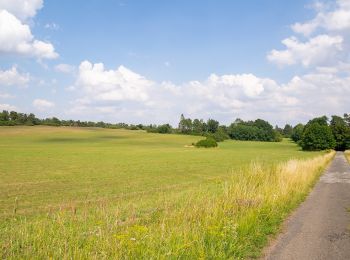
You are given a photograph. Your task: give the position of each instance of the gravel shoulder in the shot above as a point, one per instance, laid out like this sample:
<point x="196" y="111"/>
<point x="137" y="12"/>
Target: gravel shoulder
<point x="320" y="227"/>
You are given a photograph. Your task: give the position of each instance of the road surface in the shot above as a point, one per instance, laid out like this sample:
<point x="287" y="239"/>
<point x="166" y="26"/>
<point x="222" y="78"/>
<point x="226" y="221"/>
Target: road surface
<point x="320" y="227"/>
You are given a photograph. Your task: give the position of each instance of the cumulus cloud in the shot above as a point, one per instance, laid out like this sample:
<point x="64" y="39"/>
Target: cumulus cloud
<point x="326" y="39"/>
<point x="337" y="19"/>
<point x="43" y="104"/>
<point x="112" y="85"/>
<point x="22" y="9"/>
<point x="111" y="95"/>
<point x="12" y="77"/>
<point x="318" y="50"/>
<point x="16" y="36"/>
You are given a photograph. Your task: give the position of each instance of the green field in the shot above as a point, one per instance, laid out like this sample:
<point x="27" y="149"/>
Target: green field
<point x="102" y="193"/>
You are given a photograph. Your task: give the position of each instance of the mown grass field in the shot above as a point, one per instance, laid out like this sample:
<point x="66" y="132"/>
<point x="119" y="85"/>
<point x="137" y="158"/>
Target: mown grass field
<point x="103" y="193"/>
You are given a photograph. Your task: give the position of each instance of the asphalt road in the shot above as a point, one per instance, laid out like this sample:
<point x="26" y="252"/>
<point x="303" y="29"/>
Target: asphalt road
<point x="320" y="227"/>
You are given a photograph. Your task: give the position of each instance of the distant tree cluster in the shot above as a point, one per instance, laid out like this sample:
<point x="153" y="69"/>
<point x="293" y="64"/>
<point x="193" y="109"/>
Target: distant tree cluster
<point x="211" y="128"/>
<point x="258" y="130"/>
<point x="321" y="134"/>
<point x="318" y="134"/>
<point x="13" y="118"/>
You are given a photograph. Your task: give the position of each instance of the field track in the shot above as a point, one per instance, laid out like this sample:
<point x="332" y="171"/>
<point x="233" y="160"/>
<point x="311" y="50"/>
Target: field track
<point x="320" y="228"/>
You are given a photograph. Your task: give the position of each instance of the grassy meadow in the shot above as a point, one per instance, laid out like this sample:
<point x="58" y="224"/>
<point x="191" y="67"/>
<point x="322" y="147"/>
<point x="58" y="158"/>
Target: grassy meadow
<point x="102" y="193"/>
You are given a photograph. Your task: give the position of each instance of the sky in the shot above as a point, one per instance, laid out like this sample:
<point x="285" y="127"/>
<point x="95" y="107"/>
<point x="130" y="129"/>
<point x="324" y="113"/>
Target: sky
<point x="151" y="61"/>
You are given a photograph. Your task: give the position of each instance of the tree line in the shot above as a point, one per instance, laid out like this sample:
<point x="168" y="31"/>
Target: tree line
<point x="13" y="118"/>
<point x="318" y="134"/>
<point x="321" y="133"/>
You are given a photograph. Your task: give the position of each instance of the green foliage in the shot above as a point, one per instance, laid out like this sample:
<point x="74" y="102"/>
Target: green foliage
<point x="212" y="125"/>
<point x="297" y="132"/>
<point x="341" y="133"/>
<point x="287" y="130"/>
<point x="220" y="135"/>
<point x="185" y="125"/>
<point x="323" y="121"/>
<point x="164" y="129"/>
<point x="317" y="135"/>
<point x="278" y="137"/>
<point x="258" y="130"/>
<point x="207" y="143"/>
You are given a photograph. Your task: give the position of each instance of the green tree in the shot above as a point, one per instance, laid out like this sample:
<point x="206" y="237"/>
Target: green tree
<point x="185" y="125"/>
<point x="347" y="119"/>
<point x="341" y="133"/>
<point x="212" y="125"/>
<point x="297" y="132"/>
<point x="317" y="136"/>
<point x="287" y="130"/>
<point x="13" y="116"/>
<point x="4" y="116"/>
<point x="198" y="126"/>
<point x="164" y="129"/>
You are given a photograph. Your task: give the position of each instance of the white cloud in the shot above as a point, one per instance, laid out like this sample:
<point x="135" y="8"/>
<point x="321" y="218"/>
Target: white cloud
<point x="337" y="19"/>
<point x="43" y="104"/>
<point x="111" y="85"/>
<point x="65" y="68"/>
<point x="16" y="37"/>
<point x="318" y="50"/>
<point x="22" y="9"/>
<point x="7" y="107"/>
<point x="12" y="77"/>
<point x="326" y="36"/>
<point x="105" y="95"/>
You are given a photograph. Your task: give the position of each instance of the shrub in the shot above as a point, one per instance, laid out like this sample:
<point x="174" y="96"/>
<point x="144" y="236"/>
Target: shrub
<point x="207" y="143"/>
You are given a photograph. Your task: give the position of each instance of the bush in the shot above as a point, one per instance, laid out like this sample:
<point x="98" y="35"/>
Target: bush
<point x="207" y="143"/>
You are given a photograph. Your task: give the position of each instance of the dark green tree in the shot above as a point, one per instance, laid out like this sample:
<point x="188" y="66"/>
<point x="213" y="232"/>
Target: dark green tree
<point x="317" y="135"/>
<point x="341" y="133"/>
<point x="297" y="132"/>
<point x="164" y="129"/>
<point x="4" y="116"/>
<point x="13" y="116"/>
<point x="212" y="125"/>
<point x="287" y="130"/>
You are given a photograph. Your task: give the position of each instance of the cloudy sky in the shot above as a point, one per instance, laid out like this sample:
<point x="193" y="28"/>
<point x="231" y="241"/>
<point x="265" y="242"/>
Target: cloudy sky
<point x="149" y="61"/>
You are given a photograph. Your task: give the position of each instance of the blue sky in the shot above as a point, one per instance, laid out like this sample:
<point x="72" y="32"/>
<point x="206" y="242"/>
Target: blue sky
<point x="150" y="61"/>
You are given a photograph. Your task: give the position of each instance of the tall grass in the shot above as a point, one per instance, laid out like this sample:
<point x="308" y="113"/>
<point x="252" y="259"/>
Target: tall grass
<point x="229" y="219"/>
<point x="347" y="155"/>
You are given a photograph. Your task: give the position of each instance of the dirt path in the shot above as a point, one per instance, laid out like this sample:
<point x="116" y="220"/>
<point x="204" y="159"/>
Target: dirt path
<point x="320" y="228"/>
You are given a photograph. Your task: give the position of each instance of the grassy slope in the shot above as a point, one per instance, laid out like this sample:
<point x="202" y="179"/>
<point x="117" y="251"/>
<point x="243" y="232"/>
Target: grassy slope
<point x="118" y="193"/>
